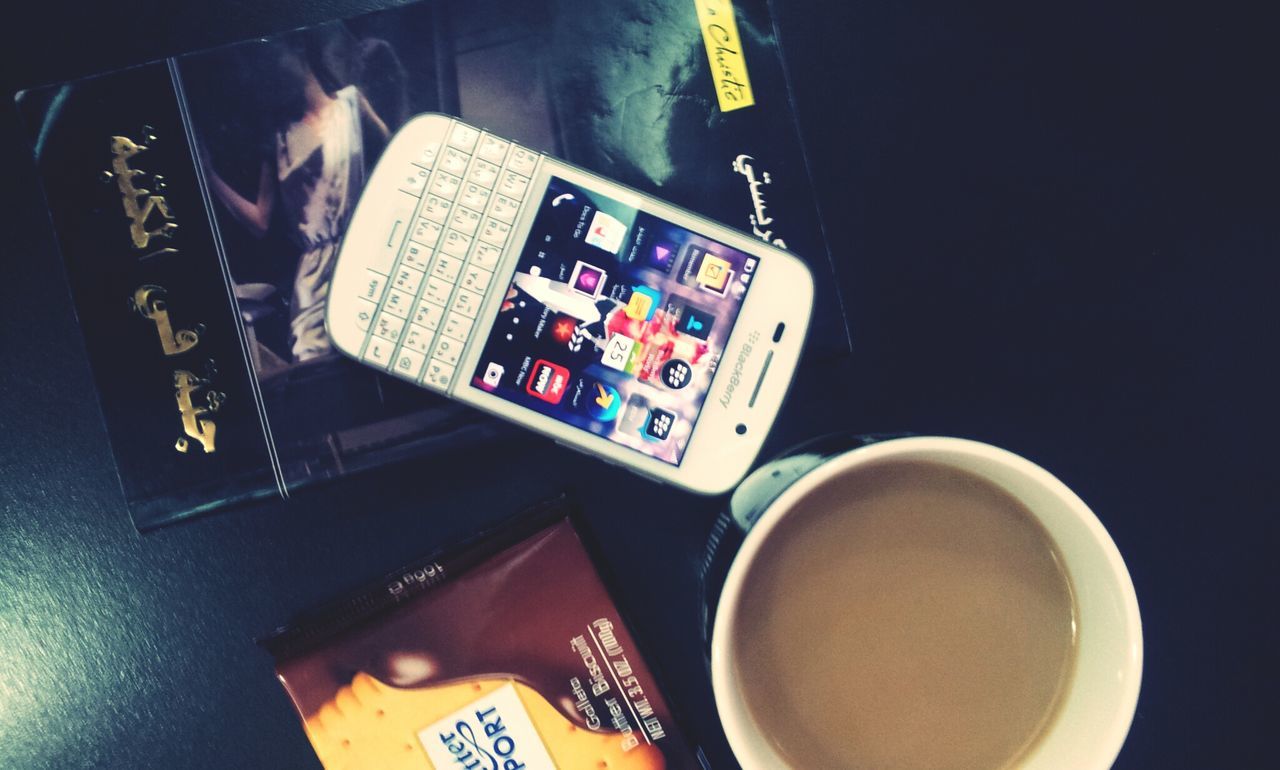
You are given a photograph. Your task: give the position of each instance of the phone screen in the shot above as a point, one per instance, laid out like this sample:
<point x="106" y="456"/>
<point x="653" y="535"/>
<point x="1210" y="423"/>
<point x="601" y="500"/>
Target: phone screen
<point x="615" y="321"/>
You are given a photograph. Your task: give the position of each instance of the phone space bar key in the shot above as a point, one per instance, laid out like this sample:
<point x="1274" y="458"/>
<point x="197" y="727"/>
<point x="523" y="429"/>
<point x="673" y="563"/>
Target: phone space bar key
<point x="393" y="228"/>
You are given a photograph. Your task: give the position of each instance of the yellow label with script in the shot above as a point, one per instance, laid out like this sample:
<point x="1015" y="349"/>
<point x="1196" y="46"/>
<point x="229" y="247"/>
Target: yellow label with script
<point x="724" y="54"/>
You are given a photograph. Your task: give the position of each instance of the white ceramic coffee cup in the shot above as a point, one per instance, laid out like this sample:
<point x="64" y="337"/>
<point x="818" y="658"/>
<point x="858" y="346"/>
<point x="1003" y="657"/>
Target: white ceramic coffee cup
<point x="1097" y="710"/>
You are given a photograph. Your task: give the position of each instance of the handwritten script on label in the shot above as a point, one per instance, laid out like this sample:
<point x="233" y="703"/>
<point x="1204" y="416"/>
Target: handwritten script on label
<point x="724" y="54"/>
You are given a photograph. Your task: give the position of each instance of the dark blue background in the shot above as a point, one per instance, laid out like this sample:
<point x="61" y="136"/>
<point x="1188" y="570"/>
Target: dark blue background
<point x="1057" y="229"/>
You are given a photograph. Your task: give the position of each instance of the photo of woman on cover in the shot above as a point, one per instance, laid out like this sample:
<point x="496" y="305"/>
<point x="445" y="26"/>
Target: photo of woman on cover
<point x="316" y="179"/>
<point x="287" y="130"/>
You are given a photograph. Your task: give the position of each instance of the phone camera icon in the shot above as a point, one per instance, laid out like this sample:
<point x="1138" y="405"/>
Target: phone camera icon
<point x="493" y="374"/>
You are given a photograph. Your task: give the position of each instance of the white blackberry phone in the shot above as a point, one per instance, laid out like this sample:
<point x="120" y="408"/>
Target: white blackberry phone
<point x="537" y="291"/>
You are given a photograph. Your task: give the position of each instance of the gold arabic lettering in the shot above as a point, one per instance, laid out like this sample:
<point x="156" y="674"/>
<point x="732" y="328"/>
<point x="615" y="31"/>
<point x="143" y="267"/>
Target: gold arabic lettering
<point x="195" y="422"/>
<point x="139" y="203"/>
<point x="150" y="302"/>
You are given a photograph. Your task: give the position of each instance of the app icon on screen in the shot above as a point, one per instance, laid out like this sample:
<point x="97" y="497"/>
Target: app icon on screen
<point x="603" y="401"/>
<point x="659" y="425"/>
<point x="606" y="232"/>
<point x="714" y="274"/>
<point x="635" y="415"/>
<point x="587" y="279"/>
<point x="493" y="374"/>
<point x="662" y="256"/>
<point x="676" y="373"/>
<point x="563" y="327"/>
<point x="547" y="381"/>
<point x="695" y="322"/>
<point x="617" y="352"/>
<point x="643" y="303"/>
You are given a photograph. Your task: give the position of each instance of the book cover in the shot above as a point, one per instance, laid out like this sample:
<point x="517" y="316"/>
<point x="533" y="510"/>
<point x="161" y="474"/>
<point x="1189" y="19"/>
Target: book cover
<point x="199" y="203"/>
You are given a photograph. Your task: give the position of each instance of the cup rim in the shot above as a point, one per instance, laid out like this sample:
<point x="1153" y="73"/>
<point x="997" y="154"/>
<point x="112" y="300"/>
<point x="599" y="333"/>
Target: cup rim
<point x="751" y="749"/>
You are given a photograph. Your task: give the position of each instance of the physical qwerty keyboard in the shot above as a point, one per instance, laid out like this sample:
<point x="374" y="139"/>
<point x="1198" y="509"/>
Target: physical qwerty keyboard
<point x="449" y="223"/>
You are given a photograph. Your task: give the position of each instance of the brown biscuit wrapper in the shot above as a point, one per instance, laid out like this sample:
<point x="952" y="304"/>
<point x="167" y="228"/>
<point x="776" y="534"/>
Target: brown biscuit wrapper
<point x="506" y="654"/>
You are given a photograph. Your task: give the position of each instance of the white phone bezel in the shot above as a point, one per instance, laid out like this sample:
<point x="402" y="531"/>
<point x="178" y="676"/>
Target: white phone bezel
<point x="717" y="455"/>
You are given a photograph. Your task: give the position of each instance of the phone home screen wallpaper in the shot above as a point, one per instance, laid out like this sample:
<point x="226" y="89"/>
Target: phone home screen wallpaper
<point x="615" y="321"/>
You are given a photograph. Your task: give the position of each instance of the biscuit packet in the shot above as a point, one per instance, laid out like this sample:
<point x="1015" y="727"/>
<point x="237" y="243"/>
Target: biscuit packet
<point x="504" y="654"/>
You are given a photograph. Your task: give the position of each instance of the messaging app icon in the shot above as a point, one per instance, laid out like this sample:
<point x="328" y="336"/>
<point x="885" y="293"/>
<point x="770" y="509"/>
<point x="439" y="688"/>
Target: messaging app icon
<point x="643" y="303"/>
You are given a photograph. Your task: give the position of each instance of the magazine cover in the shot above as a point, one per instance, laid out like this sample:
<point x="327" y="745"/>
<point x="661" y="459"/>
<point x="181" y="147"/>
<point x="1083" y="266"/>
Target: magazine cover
<point x="200" y="203"/>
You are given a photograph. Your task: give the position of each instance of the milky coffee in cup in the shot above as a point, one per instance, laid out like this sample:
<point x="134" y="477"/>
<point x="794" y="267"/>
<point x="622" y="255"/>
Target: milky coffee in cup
<point x="903" y="614"/>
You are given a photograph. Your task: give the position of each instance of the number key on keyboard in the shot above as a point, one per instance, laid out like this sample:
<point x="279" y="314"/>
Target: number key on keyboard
<point x="495" y="232"/>
<point x="464" y="220"/>
<point x="436" y="209"/>
<point x="408" y="279"/>
<point x="484" y="174"/>
<point x="418" y="338"/>
<point x="445" y="185"/>
<point x="456" y="244"/>
<point x="417" y="256"/>
<point x="447" y="350"/>
<point x="466" y="302"/>
<point x="426" y="232"/>
<point x="474" y="196"/>
<point x="513" y="185"/>
<point x="504" y="209"/>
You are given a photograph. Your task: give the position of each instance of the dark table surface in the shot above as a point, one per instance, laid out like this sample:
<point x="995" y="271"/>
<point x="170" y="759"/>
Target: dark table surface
<point x="1056" y="230"/>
